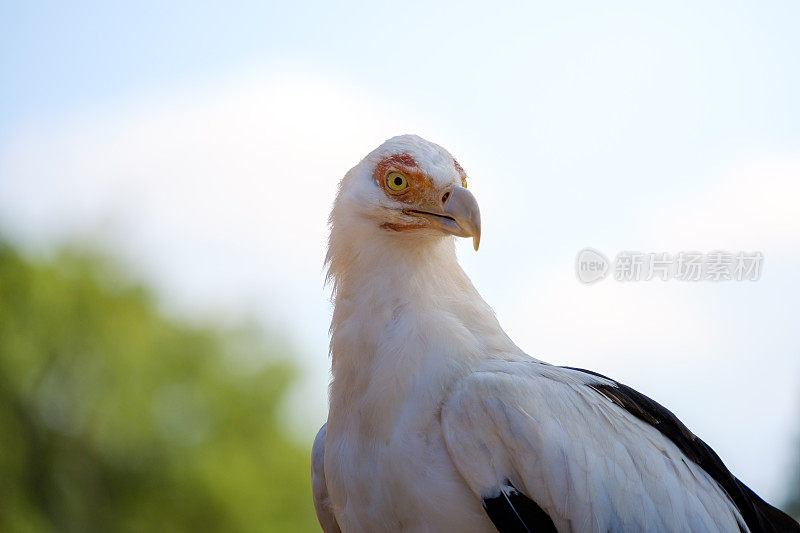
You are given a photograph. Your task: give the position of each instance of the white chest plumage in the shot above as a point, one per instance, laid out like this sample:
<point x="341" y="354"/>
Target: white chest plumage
<point x="404" y="481"/>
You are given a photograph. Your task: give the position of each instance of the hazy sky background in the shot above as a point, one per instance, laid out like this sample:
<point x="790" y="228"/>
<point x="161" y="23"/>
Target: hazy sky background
<point x="203" y="144"/>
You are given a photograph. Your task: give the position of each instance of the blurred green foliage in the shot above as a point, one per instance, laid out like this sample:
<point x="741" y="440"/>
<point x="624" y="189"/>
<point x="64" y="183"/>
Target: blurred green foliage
<point x="114" y="417"/>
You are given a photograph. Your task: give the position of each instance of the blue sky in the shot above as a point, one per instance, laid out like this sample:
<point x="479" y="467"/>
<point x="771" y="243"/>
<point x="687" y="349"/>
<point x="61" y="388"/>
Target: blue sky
<point x="179" y="135"/>
<point x="709" y="55"/>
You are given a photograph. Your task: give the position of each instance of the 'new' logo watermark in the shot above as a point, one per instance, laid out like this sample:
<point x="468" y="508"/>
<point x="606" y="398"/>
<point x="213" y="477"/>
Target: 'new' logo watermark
<point x="591" y="265"/>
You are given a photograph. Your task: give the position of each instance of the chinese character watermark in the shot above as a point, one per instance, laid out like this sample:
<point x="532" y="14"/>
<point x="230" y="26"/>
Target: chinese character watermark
<point x="592" y="266"/>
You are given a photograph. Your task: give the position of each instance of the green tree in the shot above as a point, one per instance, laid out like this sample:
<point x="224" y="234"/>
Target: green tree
<point x="114" y="417"/>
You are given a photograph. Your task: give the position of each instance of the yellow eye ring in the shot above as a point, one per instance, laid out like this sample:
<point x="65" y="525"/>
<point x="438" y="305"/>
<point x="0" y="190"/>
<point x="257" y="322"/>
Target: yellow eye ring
<point x="396" y="182"/>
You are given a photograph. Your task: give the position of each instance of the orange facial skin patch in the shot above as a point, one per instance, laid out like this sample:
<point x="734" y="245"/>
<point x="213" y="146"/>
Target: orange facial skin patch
<point x="419" y="193"/>
<point x="420" y="186"/>
<point x="399" y="227"/>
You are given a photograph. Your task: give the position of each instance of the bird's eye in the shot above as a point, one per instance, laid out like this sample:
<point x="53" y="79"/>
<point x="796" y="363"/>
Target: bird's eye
<point x="396" y="182"/>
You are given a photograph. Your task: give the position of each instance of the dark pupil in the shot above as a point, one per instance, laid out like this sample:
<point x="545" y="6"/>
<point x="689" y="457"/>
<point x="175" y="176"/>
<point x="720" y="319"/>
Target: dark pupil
<point x="398" y="181"/>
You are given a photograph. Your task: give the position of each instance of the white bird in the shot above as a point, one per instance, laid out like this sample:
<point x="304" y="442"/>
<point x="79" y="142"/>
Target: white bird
<point x="439" y="422"/>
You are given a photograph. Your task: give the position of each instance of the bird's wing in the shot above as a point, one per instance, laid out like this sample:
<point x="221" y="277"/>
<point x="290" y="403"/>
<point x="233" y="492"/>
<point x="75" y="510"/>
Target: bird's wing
<point x="322" y="502"/>
<point x="548" y="448"/>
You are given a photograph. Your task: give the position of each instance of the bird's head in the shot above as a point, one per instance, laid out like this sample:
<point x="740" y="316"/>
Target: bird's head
<point x="407" y="187"/>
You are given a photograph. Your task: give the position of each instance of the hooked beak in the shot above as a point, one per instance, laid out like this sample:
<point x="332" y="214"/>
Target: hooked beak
<point x="461" y="216"/>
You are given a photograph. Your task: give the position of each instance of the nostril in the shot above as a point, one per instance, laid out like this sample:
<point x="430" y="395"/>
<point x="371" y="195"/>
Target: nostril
<point x="445" y="197"/>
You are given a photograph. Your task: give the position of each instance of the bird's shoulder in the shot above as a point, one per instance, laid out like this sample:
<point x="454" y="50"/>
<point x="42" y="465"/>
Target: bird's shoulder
<point x="319" y="486"/>
<point x="499" y="383"/>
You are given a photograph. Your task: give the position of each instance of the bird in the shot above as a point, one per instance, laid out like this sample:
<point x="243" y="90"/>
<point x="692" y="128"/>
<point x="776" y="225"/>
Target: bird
<point x="437" y="420"/>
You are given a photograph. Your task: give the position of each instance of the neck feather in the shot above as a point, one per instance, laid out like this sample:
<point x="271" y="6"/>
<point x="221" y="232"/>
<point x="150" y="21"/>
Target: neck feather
<point x="404" y="312"/>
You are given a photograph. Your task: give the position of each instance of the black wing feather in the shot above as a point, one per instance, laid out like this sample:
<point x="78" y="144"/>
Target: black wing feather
<point x="512" y="512"/>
